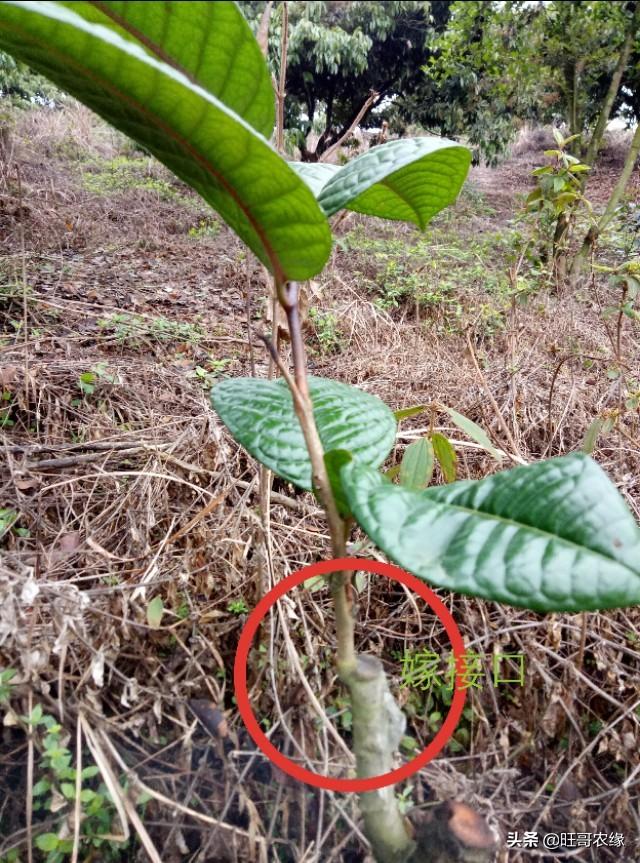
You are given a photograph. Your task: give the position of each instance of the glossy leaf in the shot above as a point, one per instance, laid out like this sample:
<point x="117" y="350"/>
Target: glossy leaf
<point x="552" y="536"/>
<point x="416" y="467"/>
<point x="260" y="416"/>
<point x="410" y="180"/>
<point x="211" y="43"/>
<point x="474" y="431"/>
<point x="197" y="136"/>
<point x="446" y="456"/>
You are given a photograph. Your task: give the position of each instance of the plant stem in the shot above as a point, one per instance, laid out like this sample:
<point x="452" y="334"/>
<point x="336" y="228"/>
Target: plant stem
<point x="378" y="722"/>
<point x="610" y="210"/>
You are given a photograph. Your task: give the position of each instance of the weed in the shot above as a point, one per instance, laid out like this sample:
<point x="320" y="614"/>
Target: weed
<point x="6" y="397"/>
<point x="341" y="710"/>
<point x="405" y="799"/>
<point x="209" y="227"/>
<point x="54" y="793"/>
<point x="238" y="606"/>
<point x="208" y="376"/>
<point x="8" y="521"/>
<point x="6" y="676"/>
<point x="123" y="174"/>
<point x="130" y="329"/>
<point x="325" y="325"/>
<point x="88" y="381"/>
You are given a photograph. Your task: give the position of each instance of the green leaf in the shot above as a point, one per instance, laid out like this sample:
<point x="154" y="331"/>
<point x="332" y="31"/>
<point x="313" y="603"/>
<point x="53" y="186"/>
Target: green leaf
<point x="474" y="431"/>
<point x="552" y="536"/>
<point x="409" y="180"/>
<point x="315" y="174"/>
<point x="198" y="137"/>
<point x="211" y="43"/>
<point x="533" y="196"/>
<point x="155" y="610"/>
<point x="68" y="790"/>
<point x="592" y="435"/>
<point x="446" y="456"/>
<point x="334" y="461"/>
<point x="260" y="416"/>
<point x="41" y="787"/>
<point x="315" y="582"/>
<point x="46" y="841"/>
<point x="416" y="468"/>
<point x="405" y="413"/>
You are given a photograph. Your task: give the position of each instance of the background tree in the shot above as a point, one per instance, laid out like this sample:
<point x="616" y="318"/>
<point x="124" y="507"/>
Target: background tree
<point x="343" y="56"/>
<point x="23" y="86"/>
<point x="474" y="82"/>
<point x="495" y="65"/>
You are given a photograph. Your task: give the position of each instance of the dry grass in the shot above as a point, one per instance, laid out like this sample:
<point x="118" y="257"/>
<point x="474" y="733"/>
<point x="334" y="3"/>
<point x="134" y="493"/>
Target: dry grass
<point x="133" y="491"/>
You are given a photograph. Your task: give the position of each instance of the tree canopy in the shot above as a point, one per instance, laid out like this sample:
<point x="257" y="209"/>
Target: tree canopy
<point x="339" y="54"/>
<point x="497" y="64"/>
<point x="475" y="69"/>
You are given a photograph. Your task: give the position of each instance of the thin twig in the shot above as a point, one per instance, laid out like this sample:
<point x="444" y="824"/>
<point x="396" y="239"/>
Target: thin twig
<point x="503" y="425"/>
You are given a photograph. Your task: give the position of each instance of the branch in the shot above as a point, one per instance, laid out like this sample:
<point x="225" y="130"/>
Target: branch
<point x="614" y="86"/>
<point x="373" y="95"/>
<point x="378" y="726"/>
<point x="284" y="42"/>
<point x="262" y="36"/>
<point x="378" y="722"/>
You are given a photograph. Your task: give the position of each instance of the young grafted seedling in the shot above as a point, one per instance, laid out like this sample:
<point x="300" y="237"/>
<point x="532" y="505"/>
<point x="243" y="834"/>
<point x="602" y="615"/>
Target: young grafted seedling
<point x="188" y="82"/>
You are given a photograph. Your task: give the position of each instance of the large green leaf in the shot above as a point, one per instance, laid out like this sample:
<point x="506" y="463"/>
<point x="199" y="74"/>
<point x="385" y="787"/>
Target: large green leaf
<point x="409" y="180"/>
<point x="260" y="416"/>
<point x="552" y="536"/>
<point x="197" y="136"/>
<point x="211" y="43"/>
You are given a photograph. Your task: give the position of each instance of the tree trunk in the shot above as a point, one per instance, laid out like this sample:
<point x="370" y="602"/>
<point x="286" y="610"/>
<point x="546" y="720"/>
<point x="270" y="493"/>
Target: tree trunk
<point x="284" y="41"/>
<point x="572" y="75"/>
<point x="609" y="212"/>
<point x="345" y="134"/>
<point x="614" y="86"/>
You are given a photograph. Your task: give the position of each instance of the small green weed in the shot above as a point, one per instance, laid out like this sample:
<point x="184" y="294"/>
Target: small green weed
<point x="6" y="398"/>
<point x="6" y="675"/>
<point x="238" y="606"/>
<point x="54" y="795"/>
<point x="8" y="521"/>
<point x="208" y="375"/>
<point x="123" y="174"/>
<point x="88" y="381"/>
<point x="327" y="332"/>
<point x="341" y="710"/>
<point x="131" y="329"/>
<point x="209" y="227"/>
